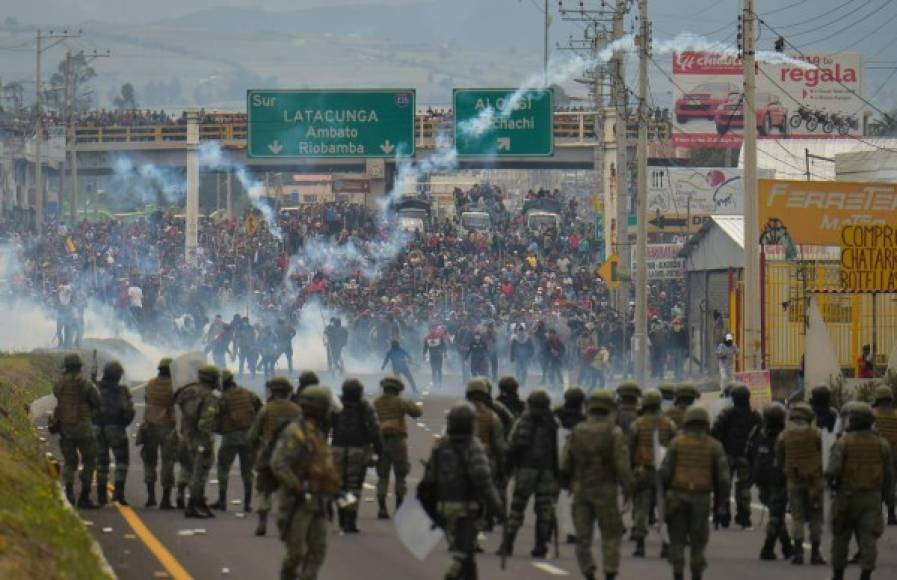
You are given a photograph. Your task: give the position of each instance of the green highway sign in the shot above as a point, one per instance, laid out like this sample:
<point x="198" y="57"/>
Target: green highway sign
<point x="487" y="124"/>
<point x="330" y="123"/>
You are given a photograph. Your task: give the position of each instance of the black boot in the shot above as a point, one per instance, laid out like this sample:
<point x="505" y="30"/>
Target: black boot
<point x="84" y="502"/>
<point x="506" y="548"/>
<point x="543" y="535"/>
<point x="797" y="553"/>
<point x="341" y="519"/>
<point x="892" y="517"/>
<point x="193" y="511"/>
<point x="102" y="493"/>
<point x="768" y="551"/>
<point x="695" y="575"/>
<point x="816" y="556"/>
<point x="165" y="504"/>
<point x="677" y="576"/>
<point x="119" y="494"/>
<point x="70" y="493"/>
<point x="610" y="576"/>
<point x="247" y="500"/>
<point x="571" y="538"/>
<point x="382" y="514"/>
<point x="743" y="519"/>
<point x="787" y="546"/>
<point x="150" y="495"/>
<point x="352" y="522"/>
<point x="262" y="528"/>
<point x="589" y="576"/>
<point x="202" y="506"/>
<point x="866" y="575"/>
<point x="838" y="574"/>
<point x="182" y="488"/>
<point x="639" y="549"/>
<point x="221" y="504"/>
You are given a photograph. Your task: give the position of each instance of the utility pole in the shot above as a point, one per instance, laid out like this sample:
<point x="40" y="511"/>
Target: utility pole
<point x="622" y="182"/>
<point x="641" y="250"/>
<point x="751" y="287"/>
<point x="545" y="44"/>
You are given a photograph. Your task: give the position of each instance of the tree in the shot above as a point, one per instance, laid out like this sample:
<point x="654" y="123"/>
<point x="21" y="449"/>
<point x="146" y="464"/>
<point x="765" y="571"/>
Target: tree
<point x="79" y="73"/>
<point x="127" y="99"/>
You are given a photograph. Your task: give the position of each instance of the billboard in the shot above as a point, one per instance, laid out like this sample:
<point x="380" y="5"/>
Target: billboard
<point x="820" y="102"/>
<point x="681" y="198"/>
<point x="816" y="211"/>
<point x="662" y="262"/>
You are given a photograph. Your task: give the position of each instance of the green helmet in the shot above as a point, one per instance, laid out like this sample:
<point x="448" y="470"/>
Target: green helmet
<point x="113" y="370"/>
<point x="165" y="363"/>
<point x="352" y="390"/>
<point x="478" y="385"/>
<point x="859" y="415"/>
<point x="307" y="379"/>
<point x="774" y="417"/>
<point x="801" y="412"/>
<point x="208" y="374"/>
<point x="392" y="384"/>
<point x="687" y="391"/>
<point x="601" y="400"/>
<point x="652" y="399"/>
<point x="539" y="399"/>
<point x="508" y="384"/>
<point x="316" y="398"/>
<point x="883" y="394"/>
<point x="696" y="414"/>
<point x="280" y="386"/>
<point x="630" y="390"/>
<point x="461" y="420"/>
<point x="72" y="362"/>
<point x="227" y="376"/>
<point x="667" y="391"/>
<point x="574" y="396"/>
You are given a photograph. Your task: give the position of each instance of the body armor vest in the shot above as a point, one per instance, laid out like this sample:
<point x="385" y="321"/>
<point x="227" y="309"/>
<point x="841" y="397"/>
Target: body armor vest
<point x="278" y="413"/>
<point x="676" y="414"/>
<point x="485" y="420"/>
<point x="240" y="413"/>
<point x="541" y="449"/>
<point x="112" y="407"/>
<point x="72" y="407"/>
<point x="862" y="470"/>
<point x="159" y="402"/>
<point x="593" y="453"/>
<point x="646" y="425"/>
<point x="693" y="471"/>
<point x="452" y="481"/>
<point x="190" y="400"/>
<point x="349" y="428"/>
<point x="390" y="415"/>
<point x="803" y="454"/>
<point x="318" y="471"/>
<point x="886" y="419"/>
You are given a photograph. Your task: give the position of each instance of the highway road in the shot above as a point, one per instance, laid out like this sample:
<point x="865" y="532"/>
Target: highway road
<point x="148" y="543"/>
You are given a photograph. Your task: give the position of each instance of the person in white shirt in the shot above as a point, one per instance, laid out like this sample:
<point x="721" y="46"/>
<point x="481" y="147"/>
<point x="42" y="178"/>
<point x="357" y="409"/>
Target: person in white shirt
<point x="727" y="352"/>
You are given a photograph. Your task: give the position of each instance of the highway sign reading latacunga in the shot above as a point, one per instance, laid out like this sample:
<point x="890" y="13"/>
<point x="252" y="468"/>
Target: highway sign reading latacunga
<point x="503" y="123"/>
<point x="330" y="123"/>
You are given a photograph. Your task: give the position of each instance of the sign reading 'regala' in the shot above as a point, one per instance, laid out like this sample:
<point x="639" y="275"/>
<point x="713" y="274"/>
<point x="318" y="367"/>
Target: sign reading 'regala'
<point x="815" y="212"/>
<point x="869" y="258"/>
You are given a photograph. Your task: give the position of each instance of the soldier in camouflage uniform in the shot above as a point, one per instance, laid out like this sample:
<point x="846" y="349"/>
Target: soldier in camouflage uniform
<point x="77" y="401"/>
<point x="668" y="394"/>
<point x="356" y="439"/>
<point x="799" y="455"/>
<point x="533" y="460"/>
<point x="158" y="436"/>
<point x="458" y="470"/>
<point x="491" y="433"/>
<point x="628" y="395"/>
<point x="595" y="468"/>
<point x="886" y="424"/>
<point x="110" y="424"/>
<point x="570" y="413"/>
<point x="509" y="397"/>
<point x="303" y="465"/>
<point x="641" y="446"/>
<point x="860" y="473"/>
<point x="237" y="409"/>
<point x="694" y="467"/>
<point x="391" y="410"/>
<point x="198" y="403"/>
<point x="732" y="428"/>
<point x="686" y="395"/>
<point x="274" y="416"/>
<point x="772" y="485"/>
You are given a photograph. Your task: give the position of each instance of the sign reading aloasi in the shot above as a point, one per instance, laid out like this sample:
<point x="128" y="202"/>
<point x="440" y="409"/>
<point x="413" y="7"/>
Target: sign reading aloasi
<point x="816" y="211"/>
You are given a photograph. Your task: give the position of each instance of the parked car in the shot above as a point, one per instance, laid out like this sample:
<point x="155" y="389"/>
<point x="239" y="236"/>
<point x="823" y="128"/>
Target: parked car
<point x="702" y="101"/>
<point x="770" y="113"/>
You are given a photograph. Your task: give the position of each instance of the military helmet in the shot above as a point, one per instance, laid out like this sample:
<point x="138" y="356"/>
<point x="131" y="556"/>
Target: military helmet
<point x="352" y="389"/>
<point x="539" y="399"/>
<point x="316" y="398"/>
<point x="629" y="389"/>
<point x="280" y="386"/>
<point x="774" y="416"/>
<point x="461" y="420"/>
<point x="696" y="414"/>
<point x="859" y="414"/>
<point x="687" y="391"/>
<point x="574" y="396"/>
<point x="883" y="394"/>
<point x="508" y="384"/>
<point x="307" y="379"/>
<point x="801" y="412"/>
<point x="392" y="384"/>
<point x="227" y="376"/>
<point x="601" y="400"/>
<point x="208" y="374"/>
<point x="667" y="391"/>
<point x="72" y="362"/>
<point x="740" y="394"/>
<point x="478" y="385"/>
<point x="166" y="363"/>
<point x="652" y="399"/>
<point x="113" y="370"/>
<point x="821" y="395"/>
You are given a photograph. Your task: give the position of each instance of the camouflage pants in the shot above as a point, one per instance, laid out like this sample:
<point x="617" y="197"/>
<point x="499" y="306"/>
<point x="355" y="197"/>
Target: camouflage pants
<point x="303" y="530"/>
<point x="265" y="484"/>
<point x="201" y="458"/>
<point x="461" y="527"/>
<point x="643" y="500"/>
<point x="159" y="440"/>
<point x="740" y="470"/>
<point x="540" y="483"/>
<point x="776" y="501"/>
<point x="393" y="459"/>
<point x="589" y="505"/>
<point x="112" y="440"/>
<point x="352" y="463"/>
<point x="185" y="461"/>
<point x="75" y="440"/>
<point x="235" y="445"/>
<point x="806" y="510"/>
<point x="859" y="513"/>
<point x="687" y="515"/>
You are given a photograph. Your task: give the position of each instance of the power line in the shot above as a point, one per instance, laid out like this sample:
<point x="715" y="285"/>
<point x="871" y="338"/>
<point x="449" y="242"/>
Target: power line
<point x="865" y="37"/>
<point x="788" y="7"/>
<point x="822" y="15"/>
<point x="851" y="25"/>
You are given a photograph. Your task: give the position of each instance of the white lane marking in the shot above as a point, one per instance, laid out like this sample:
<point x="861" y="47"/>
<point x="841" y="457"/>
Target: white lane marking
<point x="368" y="486"/>
<point x="549" y="569"/>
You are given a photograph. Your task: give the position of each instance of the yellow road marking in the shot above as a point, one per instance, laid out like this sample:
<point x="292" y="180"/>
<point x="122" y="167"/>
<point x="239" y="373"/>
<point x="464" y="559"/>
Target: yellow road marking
<point x="168" y="561"/>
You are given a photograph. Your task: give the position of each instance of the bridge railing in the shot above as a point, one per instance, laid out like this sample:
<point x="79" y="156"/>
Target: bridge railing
<point x="570" y="129"/>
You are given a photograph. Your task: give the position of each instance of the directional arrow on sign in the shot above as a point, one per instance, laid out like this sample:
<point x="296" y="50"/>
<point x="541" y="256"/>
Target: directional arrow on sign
<point x="275" y="147"/>
<point x="661" y="222"/>
<point x="387" y="147"/>
<point x="504" y="143"/>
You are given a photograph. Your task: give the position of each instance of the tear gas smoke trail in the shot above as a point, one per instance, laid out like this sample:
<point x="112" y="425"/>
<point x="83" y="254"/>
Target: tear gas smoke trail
<point x="147" y="181"/>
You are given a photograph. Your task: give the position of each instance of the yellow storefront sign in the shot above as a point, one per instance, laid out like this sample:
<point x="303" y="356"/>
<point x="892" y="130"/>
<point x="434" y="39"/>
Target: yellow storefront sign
<point x="869" y="258"/>
<point x="816" y="211"/>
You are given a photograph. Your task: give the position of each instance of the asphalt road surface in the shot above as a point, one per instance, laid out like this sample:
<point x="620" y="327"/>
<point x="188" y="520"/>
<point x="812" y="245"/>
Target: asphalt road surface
<point x="148" y="543"/>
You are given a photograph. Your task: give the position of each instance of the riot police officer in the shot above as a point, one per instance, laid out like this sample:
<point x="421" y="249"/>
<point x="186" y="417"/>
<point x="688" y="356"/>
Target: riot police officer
<point x="158" y="436"/>
<point x="238" y="407"/>
<point x="732" y="428"/>
<point x="116" y="413"/>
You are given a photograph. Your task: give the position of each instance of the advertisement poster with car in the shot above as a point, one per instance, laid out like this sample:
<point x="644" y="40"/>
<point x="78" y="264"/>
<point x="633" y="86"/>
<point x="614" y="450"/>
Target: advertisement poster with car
<point x="818" y="102"/>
